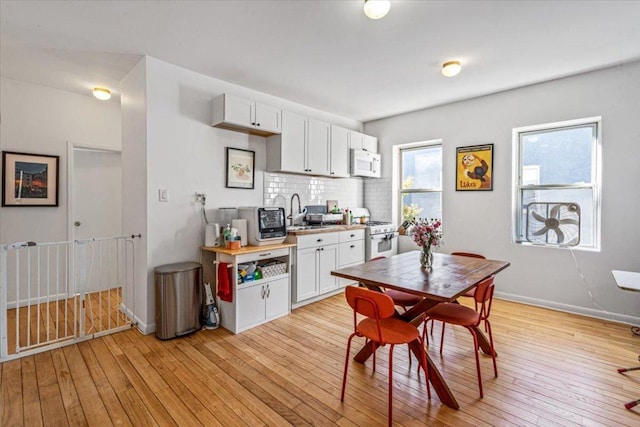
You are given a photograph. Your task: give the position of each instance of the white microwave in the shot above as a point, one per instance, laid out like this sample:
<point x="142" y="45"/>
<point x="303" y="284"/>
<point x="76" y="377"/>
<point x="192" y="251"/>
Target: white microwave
<point x="364" y="163"/>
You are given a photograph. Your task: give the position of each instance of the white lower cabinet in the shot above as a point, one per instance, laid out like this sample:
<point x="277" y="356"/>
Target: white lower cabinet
<point x="316" y="256"/>
<point x="262" y="302"/>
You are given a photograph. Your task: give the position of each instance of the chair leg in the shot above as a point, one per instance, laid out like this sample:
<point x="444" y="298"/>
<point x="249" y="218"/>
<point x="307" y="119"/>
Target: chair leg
<point x="390" y="384"/>
<point x="426" y="367"/>
<point x="493" y="350"/>
<point x="346" y="366"/>
<point x="475" y="346"/>
<point x="373" y="350"/>
<point x="442" y="337"/>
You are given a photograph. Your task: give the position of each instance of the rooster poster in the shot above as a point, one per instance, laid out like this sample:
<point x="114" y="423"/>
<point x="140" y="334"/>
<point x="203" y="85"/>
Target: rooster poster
<point x="474" y="168"/>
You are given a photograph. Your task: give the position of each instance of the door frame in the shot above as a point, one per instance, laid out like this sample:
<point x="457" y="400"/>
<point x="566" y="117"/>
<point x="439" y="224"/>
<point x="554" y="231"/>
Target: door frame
<point x="71" y="148"/>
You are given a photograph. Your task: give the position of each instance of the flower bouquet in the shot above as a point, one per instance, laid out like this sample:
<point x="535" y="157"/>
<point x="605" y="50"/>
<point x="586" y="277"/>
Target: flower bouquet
<point x="427" y="233"/>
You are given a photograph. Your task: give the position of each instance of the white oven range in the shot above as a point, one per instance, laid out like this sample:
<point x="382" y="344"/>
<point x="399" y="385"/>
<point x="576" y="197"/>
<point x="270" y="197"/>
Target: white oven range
<point x="380" y="237"/>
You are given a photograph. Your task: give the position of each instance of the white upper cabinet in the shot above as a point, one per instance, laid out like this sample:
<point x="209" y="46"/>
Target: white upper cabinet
<point x="360" y="141"/>
<point x="318" y="147"/>
<point x="287" y="152"/>
<point x="303" y="146"/>
<point x="245" y="115"/>
<point x="339" y="159"/>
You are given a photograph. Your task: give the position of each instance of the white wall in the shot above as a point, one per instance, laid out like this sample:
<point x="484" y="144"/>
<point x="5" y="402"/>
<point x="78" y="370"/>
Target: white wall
<point x="481" y="221"/>
<point x="38" y="119"/>
<point x="184" y="154"/>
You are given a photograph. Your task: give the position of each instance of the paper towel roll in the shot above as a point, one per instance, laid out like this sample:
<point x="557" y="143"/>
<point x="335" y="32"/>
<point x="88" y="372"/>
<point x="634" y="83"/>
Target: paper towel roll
<point x="241" y="225"/>
<point x="212" y="235"/>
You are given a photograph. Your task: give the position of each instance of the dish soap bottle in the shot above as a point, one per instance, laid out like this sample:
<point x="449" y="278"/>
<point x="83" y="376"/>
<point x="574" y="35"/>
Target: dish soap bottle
<point x="227" y="233"/>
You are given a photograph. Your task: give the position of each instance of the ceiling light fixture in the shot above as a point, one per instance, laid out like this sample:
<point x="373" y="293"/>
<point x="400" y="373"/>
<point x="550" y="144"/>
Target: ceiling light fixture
<point x="101" y="93"/>
<point x="451" y="68"/>
<point x="376" y="9"/>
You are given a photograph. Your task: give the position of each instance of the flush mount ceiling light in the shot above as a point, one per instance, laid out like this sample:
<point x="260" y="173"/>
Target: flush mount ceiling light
<point x="376" y="9"/>
<point x="101" y="93"/>
<point x="451" y="68"/>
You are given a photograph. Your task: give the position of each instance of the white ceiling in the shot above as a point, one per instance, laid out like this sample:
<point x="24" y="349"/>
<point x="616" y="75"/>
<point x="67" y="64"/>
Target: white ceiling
<point x="324" y="54"/>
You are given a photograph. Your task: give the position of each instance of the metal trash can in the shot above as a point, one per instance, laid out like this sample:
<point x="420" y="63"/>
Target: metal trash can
<point x="178" y="299"/>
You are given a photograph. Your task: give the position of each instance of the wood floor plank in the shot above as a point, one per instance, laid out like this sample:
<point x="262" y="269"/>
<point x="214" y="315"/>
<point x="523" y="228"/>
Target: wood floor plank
<point x="113" y="405"/>
<point x="30" y="397"/>
<point x="72" y="406"/>
<point x="11" y="394"/>
<point x="53" y="410"/>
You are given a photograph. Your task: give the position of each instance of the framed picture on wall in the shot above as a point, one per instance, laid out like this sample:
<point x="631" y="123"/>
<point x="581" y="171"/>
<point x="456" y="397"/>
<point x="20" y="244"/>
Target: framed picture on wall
<point x="29" y="179"/>
<point x="474" y="168"/>
<point x="240" y="168"/>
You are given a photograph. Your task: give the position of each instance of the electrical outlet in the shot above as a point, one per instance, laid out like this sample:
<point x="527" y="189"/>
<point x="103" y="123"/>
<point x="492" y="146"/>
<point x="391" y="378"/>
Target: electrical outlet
<point x="201" y="198"/>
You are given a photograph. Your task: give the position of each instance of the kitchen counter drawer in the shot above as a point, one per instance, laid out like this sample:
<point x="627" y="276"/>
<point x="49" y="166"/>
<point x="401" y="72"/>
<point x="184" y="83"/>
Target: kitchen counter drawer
<point x="314" y="240"/>
<point x="351" y="252"/>
<point x="351" y="235"/>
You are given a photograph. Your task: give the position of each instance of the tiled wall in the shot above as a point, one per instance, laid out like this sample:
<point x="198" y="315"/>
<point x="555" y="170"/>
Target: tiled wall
<point x="377" y="198"/>
<point x="348" y="192"/>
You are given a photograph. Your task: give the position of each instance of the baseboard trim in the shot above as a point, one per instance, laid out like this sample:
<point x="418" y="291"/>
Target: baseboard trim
<point x="589" y="312"/>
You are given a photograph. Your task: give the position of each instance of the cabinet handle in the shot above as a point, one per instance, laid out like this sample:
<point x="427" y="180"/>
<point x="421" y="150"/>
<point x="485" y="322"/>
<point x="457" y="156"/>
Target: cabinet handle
<point x="257" y="124"/>
<point x="322" y="249"/>
<point x="333" y="173"/>
<point x="319" y="240"/>
<point x="352" y="246"/>
<point x="267" y="254"/>
<point x="262" y="292"/>
<point x="253" y="123"/>
<point x="353" y="235"/>
<point x="268" y="291"/>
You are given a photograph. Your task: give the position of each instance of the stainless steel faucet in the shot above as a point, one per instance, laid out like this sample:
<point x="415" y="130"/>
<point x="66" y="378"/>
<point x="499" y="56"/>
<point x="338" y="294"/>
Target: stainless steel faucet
<point x="299" y="207"/>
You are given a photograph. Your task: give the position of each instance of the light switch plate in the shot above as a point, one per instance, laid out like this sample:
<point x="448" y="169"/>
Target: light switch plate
<point x="163" y="195"/>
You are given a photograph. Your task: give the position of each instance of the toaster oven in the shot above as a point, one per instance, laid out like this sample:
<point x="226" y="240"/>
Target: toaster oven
<point x="265" y="225"/>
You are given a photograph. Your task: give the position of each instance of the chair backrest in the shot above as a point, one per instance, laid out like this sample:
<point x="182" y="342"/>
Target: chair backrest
<point x="366" y="302"/>
<point x="468" y="254"/>
<point x="484" y="296"/>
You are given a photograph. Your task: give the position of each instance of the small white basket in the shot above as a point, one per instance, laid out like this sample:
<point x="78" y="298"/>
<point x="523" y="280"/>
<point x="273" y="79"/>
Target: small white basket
<point x="274" y="269"/>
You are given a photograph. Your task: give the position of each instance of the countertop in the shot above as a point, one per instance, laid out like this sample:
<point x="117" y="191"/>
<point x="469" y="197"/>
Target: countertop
<point x="247" y="249"/>
<point x="329" y="229"/>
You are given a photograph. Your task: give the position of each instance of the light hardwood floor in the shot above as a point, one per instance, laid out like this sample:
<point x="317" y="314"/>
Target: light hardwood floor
<point x="555" y="369"/>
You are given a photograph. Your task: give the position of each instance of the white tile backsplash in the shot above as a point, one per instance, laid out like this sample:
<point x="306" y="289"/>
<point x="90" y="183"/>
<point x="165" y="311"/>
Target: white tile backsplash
<point x="349" y="192"/>
<point x="377" y="198"/>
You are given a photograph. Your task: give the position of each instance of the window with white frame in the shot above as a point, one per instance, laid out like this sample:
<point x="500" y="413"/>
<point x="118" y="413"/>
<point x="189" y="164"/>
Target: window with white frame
<point x="558" y="171"/>
<point x="420" y="192"/>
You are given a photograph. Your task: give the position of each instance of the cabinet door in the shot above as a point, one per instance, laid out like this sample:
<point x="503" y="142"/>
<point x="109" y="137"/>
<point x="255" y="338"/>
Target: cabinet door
<point x="370" y="143"/>
<point x="356" y="140"/>
<point x="339" y="151"/>
<point x="294" y="138"/>
<point x="327" y="261"/>
<point x="250" y="305"/>
<point x="268" y="118"/>
<point x="306" y="274"/>
<point x="238" y="110"/>
<point x="277" y="298"/>
<point x="318" y="147"/>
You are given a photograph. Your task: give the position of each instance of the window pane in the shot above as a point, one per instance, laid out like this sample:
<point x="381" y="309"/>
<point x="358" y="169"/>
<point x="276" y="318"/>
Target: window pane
<point x="582" y="197"/>
<point x="421" y="205"/>
<point x="422" y="168"/>
<point x="557" y="156"/>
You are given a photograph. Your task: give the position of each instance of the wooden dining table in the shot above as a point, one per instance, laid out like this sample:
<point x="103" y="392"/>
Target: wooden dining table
<point x="450" y="277"/>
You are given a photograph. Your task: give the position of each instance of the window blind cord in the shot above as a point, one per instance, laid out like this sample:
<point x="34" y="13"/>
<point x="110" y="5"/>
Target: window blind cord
<point x="584" y="279"/>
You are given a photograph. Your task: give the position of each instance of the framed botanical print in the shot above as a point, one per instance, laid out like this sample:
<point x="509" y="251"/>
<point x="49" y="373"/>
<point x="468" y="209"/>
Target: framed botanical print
<point x="474" y="168"/>
<point x="240" y="168"/>
<point x="29" y="179"/>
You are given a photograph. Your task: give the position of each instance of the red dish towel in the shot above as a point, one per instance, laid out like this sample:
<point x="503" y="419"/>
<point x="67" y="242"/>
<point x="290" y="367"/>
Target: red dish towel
<point x="224" y="282"/>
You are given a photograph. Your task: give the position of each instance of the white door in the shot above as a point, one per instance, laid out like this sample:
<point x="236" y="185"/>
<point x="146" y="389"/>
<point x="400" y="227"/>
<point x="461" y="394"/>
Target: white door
<point x="96" y="213"/>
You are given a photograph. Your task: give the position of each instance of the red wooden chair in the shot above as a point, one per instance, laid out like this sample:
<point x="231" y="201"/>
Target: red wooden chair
<point x="381" y="328"/>
<point x="457" y="314"/>
<point x="469" y="294"/>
